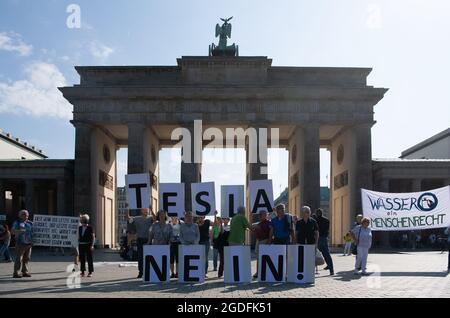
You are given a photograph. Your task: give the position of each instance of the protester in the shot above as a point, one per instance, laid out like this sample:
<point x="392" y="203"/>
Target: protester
<point x="324" y="230"/>
<point x="239" y="224"/>
<point x="189" y="231"/>
<point x="174" y="244"/>
<point x="203" y="226"/>
<point x="262" y="233"/>
<point x="75" y="252"/>
<point x="86" y="240"/>
<point x="281" y="227"/>
<point x="362" y="235"/>
<point x="217" y="227"/>
<point x="306" y="228"/>
<point x="23" y="231"/>
<point x="160" y="233"/>
<point x="348" y="244"/>
<point x="5" y="240"/>
<point x="222" y="241"/>
<point x="142" y="224"/>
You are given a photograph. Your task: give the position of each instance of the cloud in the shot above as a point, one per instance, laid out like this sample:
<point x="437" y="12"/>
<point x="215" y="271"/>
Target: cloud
<point x="100" y="51"/>
<point x="12" y="42"/>
<point x="37" y="94"/>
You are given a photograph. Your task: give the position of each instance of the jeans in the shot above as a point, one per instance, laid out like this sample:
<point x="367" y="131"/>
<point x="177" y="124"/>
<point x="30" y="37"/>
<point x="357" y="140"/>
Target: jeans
<point x="4" y="250"/>
<point x="215" y="257"/>
<point x="323" y="248"/>
<point x="207" y="245"/>
<point x="140" y="242"/>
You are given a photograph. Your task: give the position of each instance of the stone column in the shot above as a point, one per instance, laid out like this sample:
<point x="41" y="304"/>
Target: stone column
<point x="82" y="168"/>
<point x="61" y="197"/>
<point x="190" y="170"/>
<point x="416" y="185"/>
<point x="363" y="163"/>
<point x="29" y="195"/>
<point x="311" y="167"/>
<point x="136" y="133"/>
<point x="2" y="197"/>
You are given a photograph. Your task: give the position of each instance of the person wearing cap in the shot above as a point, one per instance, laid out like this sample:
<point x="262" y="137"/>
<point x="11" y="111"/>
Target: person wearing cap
<point x="262" y="233"/>
<point x="239" y="224"/>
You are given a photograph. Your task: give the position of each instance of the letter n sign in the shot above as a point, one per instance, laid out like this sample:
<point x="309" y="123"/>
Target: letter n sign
<point x="138" y="190"/>
<point x="156" y="263"/>
<point x="272" y="263"/>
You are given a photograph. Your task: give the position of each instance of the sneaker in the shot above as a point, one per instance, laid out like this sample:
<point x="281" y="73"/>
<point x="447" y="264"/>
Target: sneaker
<point x="26" y="275"/>
<point x="82" y="274"/>
<point x="220" y="275"/>
<point x="326" y="268"/>
<point x="331" y="273"/>
<point x="17" y="276"/>
<point x="89" y="275"/>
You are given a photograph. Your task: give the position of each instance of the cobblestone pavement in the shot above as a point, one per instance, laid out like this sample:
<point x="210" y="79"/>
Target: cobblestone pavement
<point x="405" y="274"/>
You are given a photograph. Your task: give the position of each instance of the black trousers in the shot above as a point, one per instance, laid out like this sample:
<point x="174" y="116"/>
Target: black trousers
<point x="86" y="253"/>
<point x="140" y="242"/>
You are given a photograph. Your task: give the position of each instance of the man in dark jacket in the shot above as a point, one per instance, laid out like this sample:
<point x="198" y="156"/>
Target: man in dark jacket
<point x="324" y="230"/>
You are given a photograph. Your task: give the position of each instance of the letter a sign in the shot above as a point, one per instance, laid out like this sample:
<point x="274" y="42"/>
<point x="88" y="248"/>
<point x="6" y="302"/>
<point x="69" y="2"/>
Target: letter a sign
<point x="261" y="196"/>
<point x="138" y="190"/>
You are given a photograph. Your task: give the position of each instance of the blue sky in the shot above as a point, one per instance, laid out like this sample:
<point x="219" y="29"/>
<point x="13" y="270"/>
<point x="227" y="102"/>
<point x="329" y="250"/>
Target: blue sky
<point x="404" y="41"/>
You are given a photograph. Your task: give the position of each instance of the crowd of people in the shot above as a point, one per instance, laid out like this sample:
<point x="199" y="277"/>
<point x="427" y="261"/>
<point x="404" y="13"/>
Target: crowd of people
<point x="280" y="228"/>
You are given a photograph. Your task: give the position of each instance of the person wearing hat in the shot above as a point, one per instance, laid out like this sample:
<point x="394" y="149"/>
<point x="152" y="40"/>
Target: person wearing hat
<point x="262" y="233"/>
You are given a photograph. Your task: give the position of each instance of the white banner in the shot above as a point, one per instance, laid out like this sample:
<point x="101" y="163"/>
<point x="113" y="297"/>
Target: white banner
<point x="171" y="198"/>
<point x="272" y="263"/>
<point x="301" y="263"/>
<point x="261" y="196"/>
<point x="232" y="197"/>
<point x="407" y="211"/>
<point x="55" y="231"/>
<point x="192" y="263"/>
<point x="237" y="264"/>
<point x="156" y="264"/>
<point x="138" y="190"/>
<point x="203" y="198"/>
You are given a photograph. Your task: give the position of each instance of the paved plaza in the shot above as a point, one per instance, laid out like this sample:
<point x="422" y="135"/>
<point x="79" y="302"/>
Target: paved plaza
<point x="399" y="274"/>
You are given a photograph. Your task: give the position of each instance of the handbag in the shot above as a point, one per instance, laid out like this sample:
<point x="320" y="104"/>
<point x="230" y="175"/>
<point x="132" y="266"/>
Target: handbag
<point x="319" y="258"/>
<point x="354" y="246"/>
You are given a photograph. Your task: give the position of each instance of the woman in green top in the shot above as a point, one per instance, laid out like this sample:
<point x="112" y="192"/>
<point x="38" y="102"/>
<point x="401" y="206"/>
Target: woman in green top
<point x="217" y="227"/>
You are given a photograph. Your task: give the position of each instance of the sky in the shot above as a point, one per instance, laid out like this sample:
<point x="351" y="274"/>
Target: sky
<point x="406" y="42"/>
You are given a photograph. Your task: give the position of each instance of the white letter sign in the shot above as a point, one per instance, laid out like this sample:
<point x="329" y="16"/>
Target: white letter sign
<point x="203" y="198"/>
<point x="261" y="196"/>
<point x="171" y="198"/>
<point x="138" y="190"/>
<point x="232" y="197"/>
<point x="156" y="263"/>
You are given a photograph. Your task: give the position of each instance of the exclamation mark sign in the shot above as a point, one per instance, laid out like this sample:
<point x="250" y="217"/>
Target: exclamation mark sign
<point x="301" y="263"/>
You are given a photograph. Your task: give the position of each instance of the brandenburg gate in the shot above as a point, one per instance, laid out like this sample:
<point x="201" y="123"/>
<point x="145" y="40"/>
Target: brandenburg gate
<point x="138" y="107"/>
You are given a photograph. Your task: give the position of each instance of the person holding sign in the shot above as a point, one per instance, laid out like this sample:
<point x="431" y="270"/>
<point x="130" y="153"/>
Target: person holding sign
<point x="189" y="232"/>
<point x="86" y="239"/>
<point x="217" y="227"/>
<point x="174" y="243"/>
<point x="142" y="224"/>
<point x="160" y="233"/>
<point x="239" y="224"/>
<point x="23" y="230"/>
<point x="222" y="241"/>
<point x="281" y="229"/>
<point x="203" y="226"/>
<point x="262" y="231"/>
<point x="362" y="235"/>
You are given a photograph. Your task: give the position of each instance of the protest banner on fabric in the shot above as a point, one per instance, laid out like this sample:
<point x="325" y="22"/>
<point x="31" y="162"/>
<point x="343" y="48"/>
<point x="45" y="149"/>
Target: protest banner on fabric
<point x="272" y="263"/>
<point x="301" y="263"/>
<point x="171" y="198"/>
<point x="261" y="195"/>
<point x="138" y="190"/>
<point x="156" y="264"/>
<point x="407" y="211"/>
<point x="203" y="198"/>
<point x="232" y="197"/>
<point x="192" y="263"/>
<point x="237" y="266"/>
<point x="55" y="231"/>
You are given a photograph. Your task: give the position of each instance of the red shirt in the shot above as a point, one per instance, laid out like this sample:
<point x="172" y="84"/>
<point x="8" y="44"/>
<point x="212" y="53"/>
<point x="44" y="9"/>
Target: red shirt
<point x="262" y="230"/>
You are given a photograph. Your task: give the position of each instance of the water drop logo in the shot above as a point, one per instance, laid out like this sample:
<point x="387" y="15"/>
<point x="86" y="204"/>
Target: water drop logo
<point x="427" y="202"/>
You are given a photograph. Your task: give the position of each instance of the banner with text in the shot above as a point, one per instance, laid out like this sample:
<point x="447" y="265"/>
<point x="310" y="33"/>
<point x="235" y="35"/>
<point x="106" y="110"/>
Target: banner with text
<point x="55" y="231"/>
<point x="138" y="190"/>
<point x="407" y="211"/>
